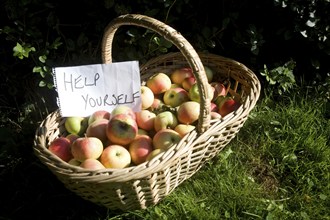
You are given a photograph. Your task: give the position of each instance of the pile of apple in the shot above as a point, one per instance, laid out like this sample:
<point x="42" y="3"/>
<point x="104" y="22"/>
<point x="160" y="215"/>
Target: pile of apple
<point x="122" y="138"/>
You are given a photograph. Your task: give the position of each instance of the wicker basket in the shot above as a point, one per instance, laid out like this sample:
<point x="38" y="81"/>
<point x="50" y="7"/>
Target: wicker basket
<point x="138" y="187"/>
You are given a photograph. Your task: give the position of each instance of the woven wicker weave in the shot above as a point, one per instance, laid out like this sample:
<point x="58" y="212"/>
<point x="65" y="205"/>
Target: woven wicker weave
<point x="138" y="187"/>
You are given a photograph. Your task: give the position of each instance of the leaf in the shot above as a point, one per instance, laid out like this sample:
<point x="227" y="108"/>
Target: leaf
<point x="43" y="58"/>
<point x="42" y="83"/>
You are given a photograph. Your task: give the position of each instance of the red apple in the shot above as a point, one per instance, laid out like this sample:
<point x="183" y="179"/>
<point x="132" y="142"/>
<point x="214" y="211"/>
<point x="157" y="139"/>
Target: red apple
<point x="178" y="75"/>
<point x="98" y="129"/>
<point x="188" y="82"/>
<point x="165" y="138"/>
<point x="145" y="119"/>
<point x="92" y="164"/>
<point x="115" y="156"/>
<point x="175" y="96"/>
<point x="157" y="104"/>
<point x="228" y="106"/>
<point x="164" y="120"/>
<point x="188" y="112"/>
<point x="147" y="97"/>
<point x="140" y="148"/>
<point x="122" y="129"/>
<point x="72" y="137"/>
<point x="86" y="147"/>
<point x="61" y="147"/>
<point x="219" y="89"/>
<point x="214" y="107"/>
<point x="159" y="83"/>
<point x="99" y="114"/>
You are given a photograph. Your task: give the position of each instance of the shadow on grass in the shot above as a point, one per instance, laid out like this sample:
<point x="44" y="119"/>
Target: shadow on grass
<point x="30" y="191"/>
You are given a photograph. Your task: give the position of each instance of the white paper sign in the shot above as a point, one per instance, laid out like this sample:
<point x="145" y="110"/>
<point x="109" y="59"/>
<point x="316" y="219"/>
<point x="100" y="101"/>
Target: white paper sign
<point x="83" y="90"/>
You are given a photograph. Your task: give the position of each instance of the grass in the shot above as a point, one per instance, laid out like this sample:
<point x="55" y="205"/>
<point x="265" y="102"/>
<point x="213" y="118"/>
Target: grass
<point x="276" y="168"/>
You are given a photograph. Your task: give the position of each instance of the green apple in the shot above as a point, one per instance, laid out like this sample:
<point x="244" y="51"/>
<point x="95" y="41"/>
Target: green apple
<point x="165" y="138"/>
<point x="175" y="96"/>
<point x="154" y="153"/>
<point x="76" y="125"/>
<point x="147" y="97"/>
<point x="165" y="120"/>
<point x="184" y="129"/>
<point x="209" y="73"/>
<point x="194" y="94"/>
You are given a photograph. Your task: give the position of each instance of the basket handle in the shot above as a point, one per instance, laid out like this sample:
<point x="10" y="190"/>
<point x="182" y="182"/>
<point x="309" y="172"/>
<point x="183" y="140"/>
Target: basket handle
<point x="175" y="38"/>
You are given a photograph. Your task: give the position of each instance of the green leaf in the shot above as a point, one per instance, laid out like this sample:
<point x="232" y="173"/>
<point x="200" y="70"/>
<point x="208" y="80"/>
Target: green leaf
<point x="43" y="58"/>
<point x="156" y="40"/>
<point x="22" y="51"/>
<point x="42" y="83"/>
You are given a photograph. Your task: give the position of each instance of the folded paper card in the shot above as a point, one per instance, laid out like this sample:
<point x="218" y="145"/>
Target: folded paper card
<point x="85" y="89"/>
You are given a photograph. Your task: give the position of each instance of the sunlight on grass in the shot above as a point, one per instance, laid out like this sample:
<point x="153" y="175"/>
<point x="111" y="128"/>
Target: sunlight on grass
<point x="276" y="168"/>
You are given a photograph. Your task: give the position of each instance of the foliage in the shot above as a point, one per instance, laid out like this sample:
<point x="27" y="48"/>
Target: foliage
<point x="281" y="79"/>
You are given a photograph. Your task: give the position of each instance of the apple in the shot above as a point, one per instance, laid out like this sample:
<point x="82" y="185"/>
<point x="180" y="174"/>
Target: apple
<point x="220" y="100"/>
<point x="61" y="147"/>
<point x="122" y="109"/>
<point x="194" y="94"/>
<point x="145" y="119"/>
<point x="121" y="129"/>
<point x="154" y="153"/>
<point x="140" y="148"/>
<point x="188" y="82"/>
<point x="74" y="162"/>
<point x="214" y="107"/>
<point x="178" y="75"/>
<point x="157" y="104"/>
<point x="165" y="138"/>
<point x="98" y="129"/>
<point x="115" y="156"/>
<point x="159" y="83"/>
<point x="209" y="73"/>
<point x="184" y="129"/>
<point x="76" y="125"/>
<point x="141" y="132"/>
<point x="147" y="97"/>
<point x="188" y="112"/>
<point x="215" y="115"/>
<point x="165" y="120"/>
<point x="219" y="89"/>
<point x="228" y="106"/>
<point x="99" y="114"/>
<point x="86" y="147"/>
<point x="174" y="85"/>
<point x="72" y="137"/>
<point x="92" y="164"/>
<point x="175" y="96"/>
